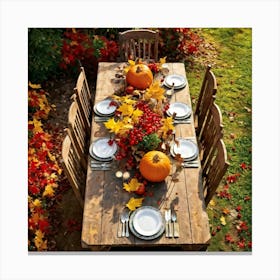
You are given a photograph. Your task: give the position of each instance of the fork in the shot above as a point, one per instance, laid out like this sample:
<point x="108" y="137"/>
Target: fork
<point x="175" y="224"/>
<point x="124" y="220"/>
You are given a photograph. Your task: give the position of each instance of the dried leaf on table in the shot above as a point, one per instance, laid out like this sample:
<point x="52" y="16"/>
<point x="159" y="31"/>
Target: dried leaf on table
<point x="132" y="186"/>
<point x="133" y="203"/>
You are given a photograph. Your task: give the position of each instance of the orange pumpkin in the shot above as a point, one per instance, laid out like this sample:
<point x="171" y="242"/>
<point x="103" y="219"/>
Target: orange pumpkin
<point x="155" y="166"/>
<point x="139" y="76"/>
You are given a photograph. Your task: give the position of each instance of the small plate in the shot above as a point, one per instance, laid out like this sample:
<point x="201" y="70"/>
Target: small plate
<point x="104" y="108"/>
<point x="100" y="149"/>
<point x="182" y="110"/>
<point x="178" y="80"/>
<point x="146" y="223"/>
<point x="186" y="148"/>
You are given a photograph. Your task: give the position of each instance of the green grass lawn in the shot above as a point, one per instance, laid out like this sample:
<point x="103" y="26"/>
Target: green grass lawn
<point x="229" y="51"/>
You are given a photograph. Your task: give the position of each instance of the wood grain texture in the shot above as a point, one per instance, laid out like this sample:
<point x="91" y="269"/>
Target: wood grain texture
<point x="105" y="198"/>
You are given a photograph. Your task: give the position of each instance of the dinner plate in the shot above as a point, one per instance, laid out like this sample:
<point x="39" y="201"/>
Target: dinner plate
<point x="178" y="80"/>
<point x="146" y="223"/>
<point x="104" y="108"/>
<point x="186" y="148"/>
<point x="100" y="149"/>
<point x="182" y="110"/>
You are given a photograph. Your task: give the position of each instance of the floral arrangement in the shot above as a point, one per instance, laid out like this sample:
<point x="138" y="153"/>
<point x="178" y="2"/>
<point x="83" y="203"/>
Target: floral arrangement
<point x="140" y="124"/>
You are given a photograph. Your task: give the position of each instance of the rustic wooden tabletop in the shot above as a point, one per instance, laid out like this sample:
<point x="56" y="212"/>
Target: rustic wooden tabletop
<point x="105" y="198"/>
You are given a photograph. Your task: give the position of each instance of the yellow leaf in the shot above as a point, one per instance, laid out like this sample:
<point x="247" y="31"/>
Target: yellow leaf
<point x="111" y="124"/>
<point x="126" y="109"/>
<point x="51" y="157"/>
<point x="136" y="114"/>
<point x="34" y="86"/>
<point x="223" y="220"/>
<point x="133" y="203"/>
<point x="212" y="202"/>
<point x="49" y="191"/>
<point x="132" y="186"/>
<point x="37" y="202"/>
<point x="167" y="126"/>
<point x="37" y="125"/>
<point x="162" y="60"/>
<point x="131" y="63"/>
<point x="154" y="91"/>
<point x="39" y="242"/>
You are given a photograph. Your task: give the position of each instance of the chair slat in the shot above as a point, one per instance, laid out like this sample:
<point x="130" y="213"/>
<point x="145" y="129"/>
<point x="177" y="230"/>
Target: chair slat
<point x="143" y="43"/>
<point x="73" y="168"/>
<point x="206" y="99"/>
<point x="84" y="99"/>
<point x="215" y="170"/>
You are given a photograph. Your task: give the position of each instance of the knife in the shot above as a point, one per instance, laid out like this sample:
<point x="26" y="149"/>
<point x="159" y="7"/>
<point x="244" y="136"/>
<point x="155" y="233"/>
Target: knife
<point x="167" y="223"/>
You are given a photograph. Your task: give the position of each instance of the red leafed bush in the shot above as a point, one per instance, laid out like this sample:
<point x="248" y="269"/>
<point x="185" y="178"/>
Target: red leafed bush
<point x="178" y="43"/>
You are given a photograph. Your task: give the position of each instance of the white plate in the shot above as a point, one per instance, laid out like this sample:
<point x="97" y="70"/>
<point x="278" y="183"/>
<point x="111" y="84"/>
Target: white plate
<point x="182" y="110"/>
<point x="186" y="148"/>
<point x="147" y="221"/>
<point x="101" y="149"/>
<point x="178" y="80"/>
<point x="144" y="237"/>
<point x="104" y="107"/>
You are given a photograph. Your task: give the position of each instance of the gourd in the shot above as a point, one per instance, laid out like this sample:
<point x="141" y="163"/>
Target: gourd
<point x="155" y="166"/>
<point x="139" y="76"/>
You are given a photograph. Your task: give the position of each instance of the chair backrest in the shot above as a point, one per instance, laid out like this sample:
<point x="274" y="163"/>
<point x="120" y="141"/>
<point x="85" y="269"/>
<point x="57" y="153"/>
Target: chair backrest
<point x="211" y="133"/>
<point x="84" y="98"/>
<point x="214" y="170"/>
<point x="78" y="132"/>
<point x="139" y="43"/>
<point x="206" y="97"/>
<point x="73" y="168"/>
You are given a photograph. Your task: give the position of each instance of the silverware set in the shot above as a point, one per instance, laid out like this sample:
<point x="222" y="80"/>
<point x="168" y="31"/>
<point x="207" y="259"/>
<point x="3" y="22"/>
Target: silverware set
<point x="193" y="163"/>
<point x="97" y="165"/>
<point x="187" y="121"/>
<point x="123" y="228"/>
<point x="171" y="224"/>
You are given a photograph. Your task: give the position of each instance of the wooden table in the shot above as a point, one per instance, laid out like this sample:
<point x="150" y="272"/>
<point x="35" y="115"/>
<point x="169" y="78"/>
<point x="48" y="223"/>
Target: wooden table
<point x="105" y="198"/>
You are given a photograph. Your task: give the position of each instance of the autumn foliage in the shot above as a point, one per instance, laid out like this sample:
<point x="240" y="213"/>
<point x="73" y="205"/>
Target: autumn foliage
<point x="43" y="170"/>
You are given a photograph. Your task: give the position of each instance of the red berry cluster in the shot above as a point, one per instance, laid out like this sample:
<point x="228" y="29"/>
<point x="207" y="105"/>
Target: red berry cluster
<point x="148" y="123"/>
<point x="153" y="67"/>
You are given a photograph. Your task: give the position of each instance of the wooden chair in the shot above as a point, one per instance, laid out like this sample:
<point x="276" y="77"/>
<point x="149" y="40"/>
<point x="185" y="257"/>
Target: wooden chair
<point x="84" y="98"/>
<point x="211" y="133"/>
<point x="139" y="43"/>
<point x="214" y="170"/>
<point x="73" y="168"/>
<point x="78" y="132"/>
<point x="207" y="96"/>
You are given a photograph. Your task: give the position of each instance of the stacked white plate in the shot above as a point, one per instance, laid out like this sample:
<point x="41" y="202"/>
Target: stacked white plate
<point x="146" y="223"/>
<point x="101" y="149"/>
<point x="104" y="108"/>
<point x="177" y="80"/>
<point x="182" y="110"/>
<point x="186" y="148"/>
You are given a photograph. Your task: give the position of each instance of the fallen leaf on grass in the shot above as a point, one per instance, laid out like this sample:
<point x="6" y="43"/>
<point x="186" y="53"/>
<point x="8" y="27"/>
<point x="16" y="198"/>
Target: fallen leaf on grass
<point x="223" y="221"/>
<point x="226" y="211"/>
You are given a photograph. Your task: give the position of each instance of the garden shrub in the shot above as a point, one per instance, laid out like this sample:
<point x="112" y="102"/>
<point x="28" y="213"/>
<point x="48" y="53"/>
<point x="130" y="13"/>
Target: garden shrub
<point x="44" y="53"/>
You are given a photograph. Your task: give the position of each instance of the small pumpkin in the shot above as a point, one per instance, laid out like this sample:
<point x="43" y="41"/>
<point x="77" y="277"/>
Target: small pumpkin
<point x="139" y="76"/>
<point x="155" y="166"/>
